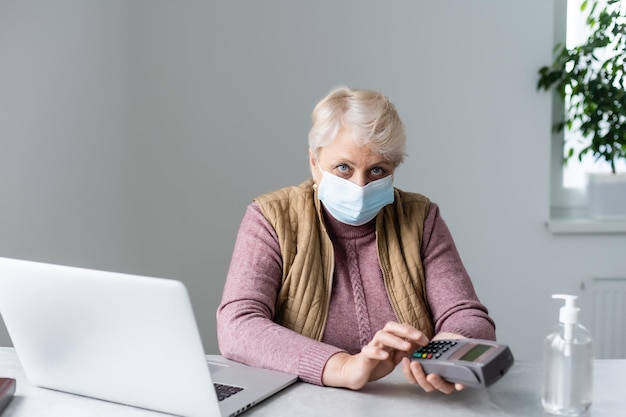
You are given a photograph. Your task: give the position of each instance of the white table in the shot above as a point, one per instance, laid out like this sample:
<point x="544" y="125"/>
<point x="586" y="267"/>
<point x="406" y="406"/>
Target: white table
<point x="517" y="394"/>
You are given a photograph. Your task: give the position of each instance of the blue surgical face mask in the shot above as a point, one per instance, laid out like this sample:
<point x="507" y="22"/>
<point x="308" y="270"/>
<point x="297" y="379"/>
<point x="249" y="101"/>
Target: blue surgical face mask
<point x="352" y="204"/>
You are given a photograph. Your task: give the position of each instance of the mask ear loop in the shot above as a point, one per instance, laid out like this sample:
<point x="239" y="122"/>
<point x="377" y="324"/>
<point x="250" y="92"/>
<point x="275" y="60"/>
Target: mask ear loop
<point x="318" y="166"/>
<point x="316" y="160"/>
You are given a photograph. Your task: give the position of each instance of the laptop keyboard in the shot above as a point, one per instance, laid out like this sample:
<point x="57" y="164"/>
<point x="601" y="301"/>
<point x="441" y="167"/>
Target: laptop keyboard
<point x="224" y="391"/>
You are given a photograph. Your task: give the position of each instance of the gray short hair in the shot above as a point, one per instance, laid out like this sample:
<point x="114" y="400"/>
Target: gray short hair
<point x="371" y="116"/>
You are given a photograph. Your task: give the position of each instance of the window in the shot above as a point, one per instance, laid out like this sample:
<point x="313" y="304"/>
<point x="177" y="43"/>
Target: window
<point x="568" y="212"/>
<point x="574" y="172"/>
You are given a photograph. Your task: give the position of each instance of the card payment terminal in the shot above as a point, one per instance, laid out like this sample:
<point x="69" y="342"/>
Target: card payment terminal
<point x="471" y="362"/>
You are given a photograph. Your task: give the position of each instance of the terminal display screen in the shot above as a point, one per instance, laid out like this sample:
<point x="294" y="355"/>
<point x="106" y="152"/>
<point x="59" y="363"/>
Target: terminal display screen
<point x="474" y="353"/>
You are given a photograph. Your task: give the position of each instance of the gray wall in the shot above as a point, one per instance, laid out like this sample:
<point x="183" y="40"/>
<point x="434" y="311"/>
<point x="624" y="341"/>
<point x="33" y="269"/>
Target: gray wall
<point x="134" y="133"/>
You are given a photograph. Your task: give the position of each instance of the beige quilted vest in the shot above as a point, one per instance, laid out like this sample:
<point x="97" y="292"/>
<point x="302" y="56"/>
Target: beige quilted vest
<point x="308" y="259"/>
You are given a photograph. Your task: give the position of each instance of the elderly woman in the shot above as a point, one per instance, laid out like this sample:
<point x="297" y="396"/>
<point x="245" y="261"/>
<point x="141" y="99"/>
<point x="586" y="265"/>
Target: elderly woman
<point x="339" y="279"/>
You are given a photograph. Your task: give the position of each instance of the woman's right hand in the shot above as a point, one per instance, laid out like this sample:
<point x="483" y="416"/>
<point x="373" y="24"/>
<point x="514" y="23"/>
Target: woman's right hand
<point x="376" y="359"/>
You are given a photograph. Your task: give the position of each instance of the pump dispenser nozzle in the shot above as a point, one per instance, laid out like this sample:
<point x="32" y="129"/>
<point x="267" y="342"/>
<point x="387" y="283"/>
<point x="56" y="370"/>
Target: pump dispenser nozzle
<point x="568" y="315"/>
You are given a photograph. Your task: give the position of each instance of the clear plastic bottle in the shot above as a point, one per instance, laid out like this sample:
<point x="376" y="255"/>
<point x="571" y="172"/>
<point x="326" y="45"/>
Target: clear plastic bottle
<point x="568" y="364"/>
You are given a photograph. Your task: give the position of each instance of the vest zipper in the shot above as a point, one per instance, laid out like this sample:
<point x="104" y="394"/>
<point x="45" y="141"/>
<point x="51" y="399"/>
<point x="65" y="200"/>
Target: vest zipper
<point x="330" y="291"/>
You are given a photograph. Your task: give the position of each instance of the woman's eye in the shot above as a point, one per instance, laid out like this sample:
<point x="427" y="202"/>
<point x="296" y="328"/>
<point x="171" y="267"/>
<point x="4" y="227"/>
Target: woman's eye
<point x="378" y="171"/>
<point x="343" y="168"/>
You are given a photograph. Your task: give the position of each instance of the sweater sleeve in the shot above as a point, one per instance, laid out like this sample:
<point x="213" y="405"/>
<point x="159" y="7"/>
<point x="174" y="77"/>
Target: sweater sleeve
<point x="245" y="330"/>
<point x="450" y="292"/>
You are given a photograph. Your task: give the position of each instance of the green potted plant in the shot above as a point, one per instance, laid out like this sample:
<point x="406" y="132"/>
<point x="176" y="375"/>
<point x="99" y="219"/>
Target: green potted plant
<point x="591" y="79"/>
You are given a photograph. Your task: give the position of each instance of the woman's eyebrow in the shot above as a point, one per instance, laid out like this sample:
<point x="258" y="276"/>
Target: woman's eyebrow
<point x="340" y="159"/>
<point x="383" y="164"/>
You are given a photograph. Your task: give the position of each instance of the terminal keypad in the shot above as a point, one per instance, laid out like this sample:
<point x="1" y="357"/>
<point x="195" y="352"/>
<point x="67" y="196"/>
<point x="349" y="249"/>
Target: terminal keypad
<point x="434" y="349"/>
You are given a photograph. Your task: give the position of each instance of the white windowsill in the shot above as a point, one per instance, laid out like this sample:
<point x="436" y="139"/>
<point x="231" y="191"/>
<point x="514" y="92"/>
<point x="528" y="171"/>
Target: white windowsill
<point x="577" y="221"/>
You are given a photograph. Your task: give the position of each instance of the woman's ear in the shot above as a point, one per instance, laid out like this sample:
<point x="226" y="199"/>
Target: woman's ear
<point x="312" y="161"/>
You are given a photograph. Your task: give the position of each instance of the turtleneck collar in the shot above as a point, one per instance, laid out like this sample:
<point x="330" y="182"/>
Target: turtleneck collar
<point x="346" y="231"/>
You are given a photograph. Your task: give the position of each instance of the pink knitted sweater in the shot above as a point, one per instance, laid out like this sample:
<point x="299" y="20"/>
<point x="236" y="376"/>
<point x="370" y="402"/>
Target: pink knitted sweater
<point x="359" y="304"/>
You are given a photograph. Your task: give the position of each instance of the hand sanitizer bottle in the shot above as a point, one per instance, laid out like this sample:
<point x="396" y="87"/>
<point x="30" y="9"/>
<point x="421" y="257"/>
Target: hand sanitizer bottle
<point x="568" y="364"/>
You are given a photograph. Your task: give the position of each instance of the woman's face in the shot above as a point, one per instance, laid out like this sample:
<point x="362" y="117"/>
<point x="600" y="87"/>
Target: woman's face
<point x="345" y="159"/>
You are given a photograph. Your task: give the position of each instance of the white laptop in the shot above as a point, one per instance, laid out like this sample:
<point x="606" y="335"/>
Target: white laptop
<point x="122" y="338"/>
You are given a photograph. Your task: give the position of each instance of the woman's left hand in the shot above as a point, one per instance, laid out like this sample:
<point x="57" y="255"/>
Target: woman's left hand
<point x="414" y="373"/>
